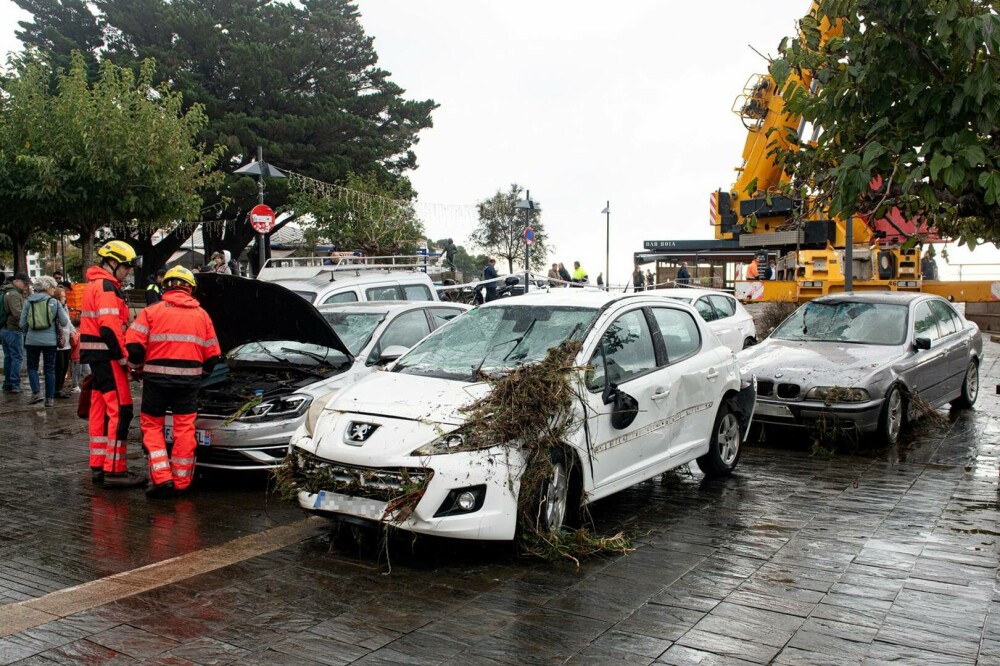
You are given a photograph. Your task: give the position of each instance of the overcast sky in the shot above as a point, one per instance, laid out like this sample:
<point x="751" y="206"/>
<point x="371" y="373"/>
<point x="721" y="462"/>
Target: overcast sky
<point x="582" y="102"/>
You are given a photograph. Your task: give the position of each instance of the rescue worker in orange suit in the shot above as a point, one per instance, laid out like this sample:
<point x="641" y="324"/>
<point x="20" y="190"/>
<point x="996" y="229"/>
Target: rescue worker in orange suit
<point x="170" y="346"/>
<point x="103" y="321"/>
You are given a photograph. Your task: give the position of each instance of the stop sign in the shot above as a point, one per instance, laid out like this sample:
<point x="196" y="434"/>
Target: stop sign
<point x="262" y="218"/>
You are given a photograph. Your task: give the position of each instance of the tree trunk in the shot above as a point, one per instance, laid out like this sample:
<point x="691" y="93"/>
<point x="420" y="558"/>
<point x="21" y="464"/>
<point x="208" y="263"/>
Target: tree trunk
<point x="19" y="244"/>
<point x="87" y="232"/>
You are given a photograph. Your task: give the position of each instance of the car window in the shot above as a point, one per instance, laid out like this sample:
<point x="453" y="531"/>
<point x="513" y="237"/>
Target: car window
<point x="924" y="324"/>
<point x="308" y="295"/>
<point x="705" y="309"/>
<point x="354" y="328"/>
<point x="945" y="316"/>
<point x="342" y="297"/>
<point x="725" y="306"/>
<point x="406" y="330"/>
<point x="416" y="292"/>
<point x="626" y="349"/>
<point x="680" y="333"/>
<point x="441" y="316"/>
<point x="386" y="293"/>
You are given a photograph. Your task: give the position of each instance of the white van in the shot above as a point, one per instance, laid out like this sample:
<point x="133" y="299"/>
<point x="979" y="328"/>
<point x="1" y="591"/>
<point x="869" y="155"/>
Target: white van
<point x="325" y="280"/>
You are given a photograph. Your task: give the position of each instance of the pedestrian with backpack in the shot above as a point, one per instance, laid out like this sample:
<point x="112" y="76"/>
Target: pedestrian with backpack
<point x="11" y="304"/>
<point x="39" y="316"/>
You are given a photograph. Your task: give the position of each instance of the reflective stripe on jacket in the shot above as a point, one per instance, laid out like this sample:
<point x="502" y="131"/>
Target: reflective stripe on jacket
<point x="173" y="341"/>
<point x="103" y="318"/>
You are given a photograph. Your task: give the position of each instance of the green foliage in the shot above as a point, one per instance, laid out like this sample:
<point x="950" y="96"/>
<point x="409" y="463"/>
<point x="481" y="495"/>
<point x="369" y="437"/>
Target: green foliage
<point x="299" y="79"/>
<point x="909" y="92"/>
<point x="500" y="231"/>
<point x="86" y="155"/>
<point x="365" y="215"/>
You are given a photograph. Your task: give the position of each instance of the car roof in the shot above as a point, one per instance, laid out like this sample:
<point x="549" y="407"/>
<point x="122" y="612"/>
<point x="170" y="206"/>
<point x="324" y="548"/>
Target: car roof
<point x="686" y="292"/>
<point x="888" y="297"/>
<point x="573" y="297"/>
<point x="387" y="306"/>
<point x="322" y="281"/>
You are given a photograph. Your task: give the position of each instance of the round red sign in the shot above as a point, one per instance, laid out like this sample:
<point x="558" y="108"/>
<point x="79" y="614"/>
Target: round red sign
<point x="262" y="218"/>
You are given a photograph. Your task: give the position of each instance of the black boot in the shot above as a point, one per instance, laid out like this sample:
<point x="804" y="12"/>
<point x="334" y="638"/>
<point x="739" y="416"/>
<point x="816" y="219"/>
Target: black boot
<point x="97" y="476"/>
<point x="123" y="480"/>
<point x="158" y="490"/>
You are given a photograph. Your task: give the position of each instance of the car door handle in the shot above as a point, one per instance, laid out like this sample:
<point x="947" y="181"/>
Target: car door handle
<point x="712" y="374"/>
<point x="660" y="394"/>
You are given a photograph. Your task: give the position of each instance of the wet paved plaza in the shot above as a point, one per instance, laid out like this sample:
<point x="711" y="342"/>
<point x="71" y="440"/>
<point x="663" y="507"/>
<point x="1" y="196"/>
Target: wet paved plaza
<point x="881" y="557"/>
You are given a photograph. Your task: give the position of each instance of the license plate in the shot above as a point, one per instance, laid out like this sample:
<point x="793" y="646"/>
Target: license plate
<point x="202" y="437"/>
<point x="355" y="506"/>
<point x="779" y="411"/>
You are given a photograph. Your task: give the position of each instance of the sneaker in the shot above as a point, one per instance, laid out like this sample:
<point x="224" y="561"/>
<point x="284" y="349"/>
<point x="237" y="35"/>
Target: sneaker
<point x="35" y="399"/>
<point x="97" y="476"/>
<point x="75" y="389"/>
<point x="123" y="480"/>
<point x="50" y="402"/>
<point x="165" y="489"/>
<point x="63" y="394"/>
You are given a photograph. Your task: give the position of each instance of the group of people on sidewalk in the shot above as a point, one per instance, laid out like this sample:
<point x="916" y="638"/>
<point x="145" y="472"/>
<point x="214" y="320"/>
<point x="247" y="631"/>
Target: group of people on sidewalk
<point x="170" y="346"/>
<point x="37" y="329"/>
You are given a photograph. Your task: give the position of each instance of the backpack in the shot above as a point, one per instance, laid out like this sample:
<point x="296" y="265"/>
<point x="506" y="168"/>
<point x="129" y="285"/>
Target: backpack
<point x="36" y="319"/>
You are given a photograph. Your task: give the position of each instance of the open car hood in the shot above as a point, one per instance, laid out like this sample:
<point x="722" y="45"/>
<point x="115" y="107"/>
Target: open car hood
<point x="245" y="310"/>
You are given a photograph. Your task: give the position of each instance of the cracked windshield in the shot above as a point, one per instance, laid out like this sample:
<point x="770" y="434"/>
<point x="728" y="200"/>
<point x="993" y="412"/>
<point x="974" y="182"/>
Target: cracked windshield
<point x="494" y="339"/>
<point x="864" y="323"/>
<point x="354" y="328"/>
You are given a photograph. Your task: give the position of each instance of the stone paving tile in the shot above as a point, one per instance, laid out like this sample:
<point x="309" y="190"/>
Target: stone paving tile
<point x="679" y="655"/>
<point x="319" y="650"/>
<point x="889" y="653"/>
<point x="86" y="652"/>
<point x="728" y="646"/>
<point x="206" y="651"/>
<point x="133" y="642"/>
<point x="658" y="621"/>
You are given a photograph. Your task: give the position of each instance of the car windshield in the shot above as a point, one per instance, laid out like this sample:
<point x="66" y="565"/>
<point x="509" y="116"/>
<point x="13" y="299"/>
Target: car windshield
<point x="494" y="339"/>
<point x="287" y="352"/>
<point x="354" y="328"/>
<point x="859" y="323"/>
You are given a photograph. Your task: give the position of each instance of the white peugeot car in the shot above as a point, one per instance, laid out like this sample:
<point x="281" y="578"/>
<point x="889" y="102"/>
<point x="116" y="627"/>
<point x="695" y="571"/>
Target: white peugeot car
<point x="660" y="391"/>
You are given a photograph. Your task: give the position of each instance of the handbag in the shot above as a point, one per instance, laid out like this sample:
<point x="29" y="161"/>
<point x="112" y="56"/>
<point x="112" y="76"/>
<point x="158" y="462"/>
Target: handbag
<point x="86" y="388"/>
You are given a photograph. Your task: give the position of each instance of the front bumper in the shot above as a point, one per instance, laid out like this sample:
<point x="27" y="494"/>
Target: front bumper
<point x="862" y="416"/>
<point x="242" y="446"/>
<point x="494" y="520"/>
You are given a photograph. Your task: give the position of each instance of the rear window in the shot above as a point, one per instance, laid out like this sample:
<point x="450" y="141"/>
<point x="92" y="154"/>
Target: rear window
<point x="342" y="297"/>
<point x="417" y="292"/>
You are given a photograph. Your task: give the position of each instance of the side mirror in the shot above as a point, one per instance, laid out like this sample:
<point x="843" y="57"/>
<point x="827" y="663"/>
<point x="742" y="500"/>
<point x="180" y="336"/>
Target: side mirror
<point x="390" y="354"/>
<point x="922" y="343"/>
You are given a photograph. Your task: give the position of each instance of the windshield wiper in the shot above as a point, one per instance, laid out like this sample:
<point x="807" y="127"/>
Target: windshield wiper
<point x="519" y="340"/>
<point x="321" y="359"/>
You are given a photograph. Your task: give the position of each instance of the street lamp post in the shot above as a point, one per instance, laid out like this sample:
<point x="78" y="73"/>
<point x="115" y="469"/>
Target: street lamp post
<point x="607" y="247"/>
<point x="262" y="170"/>
<point x="527" y="204"/>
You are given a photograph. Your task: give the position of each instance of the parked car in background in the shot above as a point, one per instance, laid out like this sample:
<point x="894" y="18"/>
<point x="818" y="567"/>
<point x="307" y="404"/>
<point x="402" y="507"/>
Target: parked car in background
<point x="324" y="281"/>
<point x="281" y="354"/>
<point x="725" y="315"/>
<point x="659" y="391"/>
<point x="857" y="361"/>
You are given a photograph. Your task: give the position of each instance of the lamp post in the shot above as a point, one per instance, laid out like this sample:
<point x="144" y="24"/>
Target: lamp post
<point x="607" y="247"/>
<point x="262" y="170"/>
<point x="527" y="204"/>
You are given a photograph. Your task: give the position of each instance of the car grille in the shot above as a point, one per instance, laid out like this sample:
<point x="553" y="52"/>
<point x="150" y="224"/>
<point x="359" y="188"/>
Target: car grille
<point x="766" y="389"/>
<point x="384" y="483"/>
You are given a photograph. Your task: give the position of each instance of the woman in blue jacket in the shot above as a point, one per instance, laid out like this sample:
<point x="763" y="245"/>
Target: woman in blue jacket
<point x="39" y="317"/>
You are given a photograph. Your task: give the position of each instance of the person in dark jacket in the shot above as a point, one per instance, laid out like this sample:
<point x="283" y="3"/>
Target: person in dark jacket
<point x="171" y="346"/>
<point x="154" y="292"/>
<point x="683" y="276"/>
<point x="10" y="331"/>
<point x="489" y="273"/>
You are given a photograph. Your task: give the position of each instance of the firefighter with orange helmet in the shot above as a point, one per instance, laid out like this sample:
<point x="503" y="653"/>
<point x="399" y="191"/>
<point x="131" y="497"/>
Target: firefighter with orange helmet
<point x="171" y="344"/>
<point x="103" y="321"/>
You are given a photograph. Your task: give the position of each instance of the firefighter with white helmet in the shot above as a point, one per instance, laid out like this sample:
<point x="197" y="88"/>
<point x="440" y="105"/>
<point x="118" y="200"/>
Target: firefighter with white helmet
<point x="171" y="345"/>
<point x="103" y="320"/>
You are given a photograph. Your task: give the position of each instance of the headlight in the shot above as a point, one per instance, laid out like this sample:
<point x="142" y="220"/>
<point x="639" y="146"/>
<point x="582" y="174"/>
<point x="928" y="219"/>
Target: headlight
<point x="838" y="394"/>
<point x="277" y="408"/>
<point x="316" y="410"/>
<point x="453" y="442"/>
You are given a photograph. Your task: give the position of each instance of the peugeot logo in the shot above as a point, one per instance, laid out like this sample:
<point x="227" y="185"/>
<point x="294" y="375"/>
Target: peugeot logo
<point x="779" y="375"/>
<point x="358" y="433"/>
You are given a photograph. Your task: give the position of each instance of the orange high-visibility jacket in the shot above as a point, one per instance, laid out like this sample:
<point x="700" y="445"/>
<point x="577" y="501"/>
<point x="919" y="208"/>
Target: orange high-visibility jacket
<point x="173" y="341"/>
<point x="103" y="319"/>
